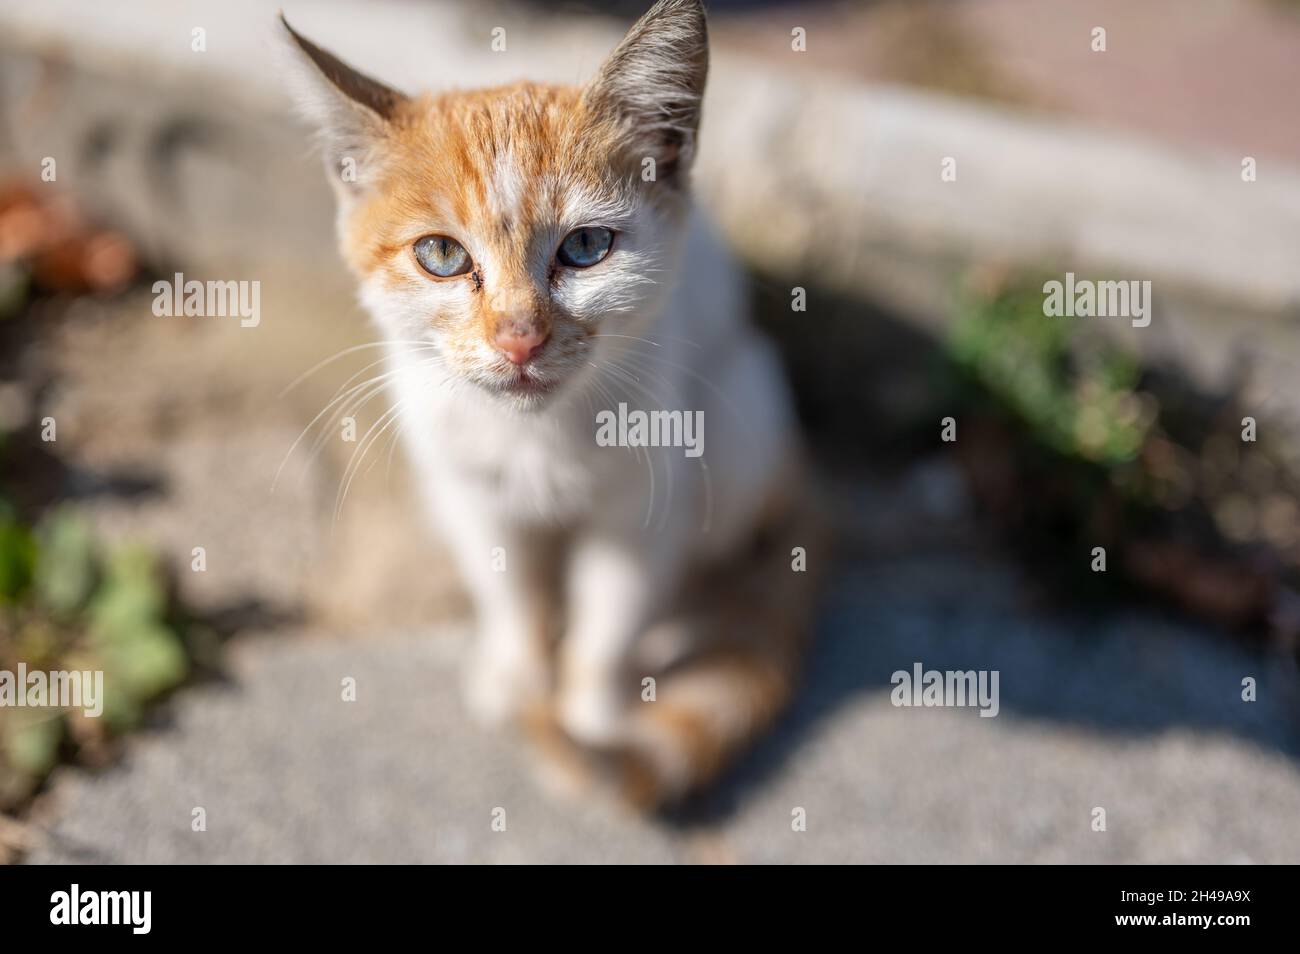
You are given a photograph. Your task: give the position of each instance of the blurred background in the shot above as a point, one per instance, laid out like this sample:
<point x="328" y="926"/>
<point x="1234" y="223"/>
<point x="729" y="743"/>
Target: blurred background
<point x="140" y="535"/>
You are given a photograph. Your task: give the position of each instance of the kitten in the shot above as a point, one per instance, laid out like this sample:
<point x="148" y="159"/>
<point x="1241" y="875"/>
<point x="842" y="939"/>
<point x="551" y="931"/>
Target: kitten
<point x="531" y="254"/>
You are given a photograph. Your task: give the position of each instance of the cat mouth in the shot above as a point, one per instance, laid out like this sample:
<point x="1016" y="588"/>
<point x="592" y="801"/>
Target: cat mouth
<point x="525" y="385"/>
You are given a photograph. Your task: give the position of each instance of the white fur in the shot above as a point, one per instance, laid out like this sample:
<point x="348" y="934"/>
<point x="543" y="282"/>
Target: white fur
<point x="634" y="521"/>
<point x="499" y="471"/>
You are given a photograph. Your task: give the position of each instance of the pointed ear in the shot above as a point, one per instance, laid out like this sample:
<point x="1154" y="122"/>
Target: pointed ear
<point x="351" y="110"/>
<point x="652" y="84"/>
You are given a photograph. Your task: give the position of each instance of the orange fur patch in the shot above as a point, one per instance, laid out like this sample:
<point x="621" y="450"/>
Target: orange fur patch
<point x="442" y="170"/>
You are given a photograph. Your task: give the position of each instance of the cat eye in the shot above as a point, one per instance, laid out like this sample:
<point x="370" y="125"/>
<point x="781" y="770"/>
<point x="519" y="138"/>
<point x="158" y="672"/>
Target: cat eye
<point x="441" y="256"/>
<point x="584" y="247"/>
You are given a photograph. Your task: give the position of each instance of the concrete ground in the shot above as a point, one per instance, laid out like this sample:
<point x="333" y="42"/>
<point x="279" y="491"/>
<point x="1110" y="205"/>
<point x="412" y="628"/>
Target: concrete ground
<point x="1131" y="713"/>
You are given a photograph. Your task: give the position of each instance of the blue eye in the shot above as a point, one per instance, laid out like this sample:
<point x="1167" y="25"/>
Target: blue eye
<point x="584" y="247"/>
<point x="441" y="256"/>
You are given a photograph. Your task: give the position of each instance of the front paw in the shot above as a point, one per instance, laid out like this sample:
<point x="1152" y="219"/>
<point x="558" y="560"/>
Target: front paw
<point x="592" y="711"/>
<point x="498" y="688"/>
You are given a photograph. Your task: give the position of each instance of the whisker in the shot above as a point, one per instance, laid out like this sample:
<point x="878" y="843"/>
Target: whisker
<point x="358" y="456"/>
<point x="325" y="430"/>
<point x="339" y="404"/>
<point x="392" y="446"/>
<point x="629" y="338"/>
<point x="637" y="452"/>
<point x="688" y="341"/>
<point x="718" y="392"/>
<point x="312" y="423"/>
<point x="707" y="521"/>
<point x="344" y="353"/>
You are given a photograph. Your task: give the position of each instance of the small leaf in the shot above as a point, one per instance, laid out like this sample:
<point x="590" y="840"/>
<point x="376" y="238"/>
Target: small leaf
<point x="17" y="558"/>
<point x="32" y="744"/>
<point x="65" y="567"/>
<point x="129" y="595"/>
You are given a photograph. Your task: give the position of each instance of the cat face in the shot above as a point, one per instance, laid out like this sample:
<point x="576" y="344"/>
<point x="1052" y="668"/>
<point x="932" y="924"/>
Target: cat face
<point x="500" y="232"/>
<point x="507" y="228"/>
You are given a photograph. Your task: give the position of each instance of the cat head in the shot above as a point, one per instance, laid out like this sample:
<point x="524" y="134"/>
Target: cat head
<point x="502" y="231"/>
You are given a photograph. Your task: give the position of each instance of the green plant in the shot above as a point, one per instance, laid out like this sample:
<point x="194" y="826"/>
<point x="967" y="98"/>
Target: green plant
<point x="66" y="605"/>
<point x="1078" y="393"/>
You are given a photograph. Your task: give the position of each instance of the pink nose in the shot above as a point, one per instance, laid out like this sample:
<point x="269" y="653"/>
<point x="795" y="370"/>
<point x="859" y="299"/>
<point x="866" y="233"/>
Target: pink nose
<point x="518" y="346"/>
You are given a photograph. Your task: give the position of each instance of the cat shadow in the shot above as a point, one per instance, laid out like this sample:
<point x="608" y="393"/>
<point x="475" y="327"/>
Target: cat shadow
<point x="1123" y="673"/>
<point x="869" y="387"/>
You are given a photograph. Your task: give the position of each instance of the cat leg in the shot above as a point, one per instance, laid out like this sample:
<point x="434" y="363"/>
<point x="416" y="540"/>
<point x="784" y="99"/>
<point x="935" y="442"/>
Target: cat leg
<point x="615" y="587"/>
<point x="502" y="565"/>
<point x="725" y="659"/>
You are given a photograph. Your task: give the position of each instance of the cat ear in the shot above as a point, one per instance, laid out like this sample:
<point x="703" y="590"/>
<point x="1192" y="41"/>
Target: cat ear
<point x="351" y="110"/>
<point x="652" y="84"/>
